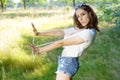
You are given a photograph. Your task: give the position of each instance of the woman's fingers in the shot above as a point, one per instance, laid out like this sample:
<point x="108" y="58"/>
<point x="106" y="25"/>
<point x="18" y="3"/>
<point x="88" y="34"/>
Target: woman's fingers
<point x="34" y="29"/>
<point x="34" y="49"/>
<point x="32" y="46"/>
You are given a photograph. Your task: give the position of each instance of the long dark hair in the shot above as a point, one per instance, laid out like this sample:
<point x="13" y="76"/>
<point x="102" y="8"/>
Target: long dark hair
<point x="93" y="23"/>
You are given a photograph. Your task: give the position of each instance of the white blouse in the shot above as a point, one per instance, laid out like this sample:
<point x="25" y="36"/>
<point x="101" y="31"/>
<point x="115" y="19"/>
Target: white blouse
<point x="76" y="50"/>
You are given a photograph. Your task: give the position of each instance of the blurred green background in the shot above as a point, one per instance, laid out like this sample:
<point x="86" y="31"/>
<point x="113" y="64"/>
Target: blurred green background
<point x="99" y="62"/>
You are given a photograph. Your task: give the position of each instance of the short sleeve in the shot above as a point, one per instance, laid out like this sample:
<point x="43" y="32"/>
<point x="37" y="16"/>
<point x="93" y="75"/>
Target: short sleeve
<point x="67" y="31"/>
<point x="87" y="35"/>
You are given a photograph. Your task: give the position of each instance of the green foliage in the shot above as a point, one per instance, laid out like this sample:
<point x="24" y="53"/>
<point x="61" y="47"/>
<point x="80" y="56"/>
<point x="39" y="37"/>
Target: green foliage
<point x="3" y="4"/>
<point x="111" y="13"/>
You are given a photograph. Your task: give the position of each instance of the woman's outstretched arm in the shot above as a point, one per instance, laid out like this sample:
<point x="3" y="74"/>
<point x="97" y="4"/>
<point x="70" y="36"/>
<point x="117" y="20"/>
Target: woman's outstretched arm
<point x="58" y="32"/>
<point x="66" y="42"/>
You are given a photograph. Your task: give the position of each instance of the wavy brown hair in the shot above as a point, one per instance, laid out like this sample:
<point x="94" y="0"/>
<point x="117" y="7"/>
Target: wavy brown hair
<point x="93" y="23"/>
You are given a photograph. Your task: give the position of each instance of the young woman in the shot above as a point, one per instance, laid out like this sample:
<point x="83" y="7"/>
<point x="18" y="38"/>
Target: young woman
<point x="76" y="40"/>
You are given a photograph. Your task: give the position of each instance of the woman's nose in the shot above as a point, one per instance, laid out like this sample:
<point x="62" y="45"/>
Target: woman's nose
<point x="80" y="18"/>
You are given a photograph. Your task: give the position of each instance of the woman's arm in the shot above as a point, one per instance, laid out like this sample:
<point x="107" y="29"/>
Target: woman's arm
<point x="51" y="33"/>
<point x="66" y="42"/>
<point x="48" y="33"/>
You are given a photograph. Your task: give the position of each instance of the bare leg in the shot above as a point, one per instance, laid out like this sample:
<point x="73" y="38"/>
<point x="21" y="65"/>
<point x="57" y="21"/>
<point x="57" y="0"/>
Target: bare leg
<point x="63" y="76"/>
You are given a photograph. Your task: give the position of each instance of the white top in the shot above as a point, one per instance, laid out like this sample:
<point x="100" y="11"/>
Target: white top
<point x="76" y="50"/>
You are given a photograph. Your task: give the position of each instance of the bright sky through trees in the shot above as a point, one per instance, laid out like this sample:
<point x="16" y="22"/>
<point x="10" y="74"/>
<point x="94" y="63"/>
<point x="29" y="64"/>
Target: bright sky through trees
<point x="16" y="1"/>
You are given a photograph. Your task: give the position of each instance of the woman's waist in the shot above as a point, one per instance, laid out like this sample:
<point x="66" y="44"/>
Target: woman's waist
<point x="67" y="58"/>
<point x="69" y="55"/>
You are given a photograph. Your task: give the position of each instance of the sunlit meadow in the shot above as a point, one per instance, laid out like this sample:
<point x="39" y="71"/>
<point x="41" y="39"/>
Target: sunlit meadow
<point x="17" y="62"/>
<point x="16" y="58"/>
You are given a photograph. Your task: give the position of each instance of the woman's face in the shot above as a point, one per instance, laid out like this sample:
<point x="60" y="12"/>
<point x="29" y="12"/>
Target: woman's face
<point x="83" y="17"/>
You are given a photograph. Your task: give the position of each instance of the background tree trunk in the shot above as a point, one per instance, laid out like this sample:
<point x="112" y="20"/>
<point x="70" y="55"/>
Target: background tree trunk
<point x="73" y="3"/>
<point x="2" y="5"/>
<point x="24" y="4"/>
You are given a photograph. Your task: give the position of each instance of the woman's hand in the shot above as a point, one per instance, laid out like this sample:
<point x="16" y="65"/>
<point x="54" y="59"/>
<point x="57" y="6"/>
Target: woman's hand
<point x="34" y="49"/>
<point x="35" y="30"/>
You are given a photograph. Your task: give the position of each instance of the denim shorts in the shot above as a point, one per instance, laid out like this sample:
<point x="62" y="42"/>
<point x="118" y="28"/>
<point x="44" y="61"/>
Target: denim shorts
<point x="68" y="65"/>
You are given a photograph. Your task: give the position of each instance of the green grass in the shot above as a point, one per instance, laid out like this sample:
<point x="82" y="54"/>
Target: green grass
<point x="100" y="62"/>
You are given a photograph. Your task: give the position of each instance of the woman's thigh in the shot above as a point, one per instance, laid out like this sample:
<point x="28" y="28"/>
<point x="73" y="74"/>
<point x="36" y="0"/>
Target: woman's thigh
<point x="68" y="66"/>
<point x="62" y="76"/>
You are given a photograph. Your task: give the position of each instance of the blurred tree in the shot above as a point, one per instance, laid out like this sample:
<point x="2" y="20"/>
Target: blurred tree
<point x="34" y="3"/>
<point x="74" y="3"/>
<point x="51" y="3"/>
<point x="10" y="4"/>
<point x="3" y="4"/>
<point x="24" y="4"/>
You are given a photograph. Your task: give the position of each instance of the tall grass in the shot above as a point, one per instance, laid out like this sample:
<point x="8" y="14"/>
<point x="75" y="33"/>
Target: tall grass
<point x="15" y="35"/>
<point x="99" y="62"/>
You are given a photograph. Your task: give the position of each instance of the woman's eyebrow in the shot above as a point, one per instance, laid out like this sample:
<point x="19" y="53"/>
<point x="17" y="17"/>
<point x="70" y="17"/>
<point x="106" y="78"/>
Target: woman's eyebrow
<point x="80" y="13"/>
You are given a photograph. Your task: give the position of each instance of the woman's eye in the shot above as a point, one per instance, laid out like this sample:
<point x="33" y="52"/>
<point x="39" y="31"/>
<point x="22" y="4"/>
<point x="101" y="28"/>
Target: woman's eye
<point x="82" y="14"/>
<point x="78" y="15"/>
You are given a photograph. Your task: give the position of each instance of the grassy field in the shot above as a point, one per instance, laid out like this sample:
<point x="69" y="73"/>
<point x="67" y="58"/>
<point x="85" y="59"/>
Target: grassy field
<point x="100" y="62"/>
